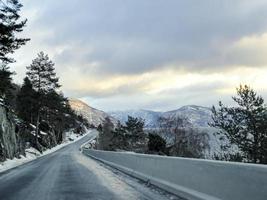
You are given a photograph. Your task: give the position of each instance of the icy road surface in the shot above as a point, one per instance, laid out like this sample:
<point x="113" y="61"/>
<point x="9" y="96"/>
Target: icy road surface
<point x="69" y="175"/>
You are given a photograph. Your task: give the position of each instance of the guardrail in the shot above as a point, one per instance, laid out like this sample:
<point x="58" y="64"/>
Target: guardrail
<point x="194" y="179"/>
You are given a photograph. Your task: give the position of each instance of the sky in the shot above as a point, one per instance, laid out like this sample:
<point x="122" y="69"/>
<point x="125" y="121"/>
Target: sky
<point x="149" y="54"/>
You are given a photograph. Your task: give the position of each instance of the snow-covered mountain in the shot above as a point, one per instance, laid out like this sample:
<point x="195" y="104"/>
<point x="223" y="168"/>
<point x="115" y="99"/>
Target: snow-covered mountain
<point x="94" y="116"/>
<point x="198" y="116"/>
<point x="150" y="117"/>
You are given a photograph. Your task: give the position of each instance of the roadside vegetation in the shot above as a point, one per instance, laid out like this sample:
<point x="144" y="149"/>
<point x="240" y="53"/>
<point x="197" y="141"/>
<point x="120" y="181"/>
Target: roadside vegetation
<point x="185" y="142"/>
<point x="243" y="126"/>
<point x="36" y="114"/>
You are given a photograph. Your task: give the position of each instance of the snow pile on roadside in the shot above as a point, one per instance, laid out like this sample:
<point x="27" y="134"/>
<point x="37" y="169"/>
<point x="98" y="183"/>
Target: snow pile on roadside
<point x="32" y="153"/>
<point x="89" y="144"/>
<point x="8" y="164"/>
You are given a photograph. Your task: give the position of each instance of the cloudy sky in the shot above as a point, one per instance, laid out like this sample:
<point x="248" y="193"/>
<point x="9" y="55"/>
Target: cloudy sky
<point x="149" y="54"/>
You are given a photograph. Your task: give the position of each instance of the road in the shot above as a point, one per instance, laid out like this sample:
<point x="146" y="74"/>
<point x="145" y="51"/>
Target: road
<point x="69" y="175"/>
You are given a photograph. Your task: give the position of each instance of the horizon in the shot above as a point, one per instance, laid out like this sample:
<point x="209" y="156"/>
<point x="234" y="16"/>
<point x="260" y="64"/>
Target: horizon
<point x="113" y="57"/>
<point x="141" y="109"/>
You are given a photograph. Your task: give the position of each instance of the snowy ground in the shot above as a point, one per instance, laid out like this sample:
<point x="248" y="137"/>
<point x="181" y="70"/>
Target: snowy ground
<point x="32" y="153"/>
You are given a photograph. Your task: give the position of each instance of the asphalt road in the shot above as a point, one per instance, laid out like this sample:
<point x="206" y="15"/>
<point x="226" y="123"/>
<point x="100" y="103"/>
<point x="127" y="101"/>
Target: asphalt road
<point x="69" y="175"/>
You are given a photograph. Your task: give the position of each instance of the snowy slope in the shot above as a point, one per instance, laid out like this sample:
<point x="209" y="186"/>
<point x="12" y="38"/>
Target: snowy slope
<point x="150" y="117"/>
<point x="94" y="116"/>
<point x="198" y="116"/>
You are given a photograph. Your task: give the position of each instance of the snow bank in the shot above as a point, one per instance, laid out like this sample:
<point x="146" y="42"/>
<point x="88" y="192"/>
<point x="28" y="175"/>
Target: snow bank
<point x="32" y="153"/>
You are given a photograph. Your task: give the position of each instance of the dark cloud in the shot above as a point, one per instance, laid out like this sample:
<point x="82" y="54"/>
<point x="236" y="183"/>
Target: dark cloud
<point x="131" y="37"/>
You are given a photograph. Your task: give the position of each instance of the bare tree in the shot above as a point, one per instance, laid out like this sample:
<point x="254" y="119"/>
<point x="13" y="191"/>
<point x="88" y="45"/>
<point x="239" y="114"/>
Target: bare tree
<point x="186" y="141"/>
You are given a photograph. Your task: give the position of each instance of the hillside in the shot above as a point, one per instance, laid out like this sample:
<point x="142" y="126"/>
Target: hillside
<point x="198" y="116"/>
<point x="150" y="117"/>
<point x="93" y="116"/>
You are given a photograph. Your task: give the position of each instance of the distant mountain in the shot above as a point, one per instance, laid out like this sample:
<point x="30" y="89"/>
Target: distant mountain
<point x="150" y="117"/>
<point x="198" y="116"/>
<point x="94" y="116"/>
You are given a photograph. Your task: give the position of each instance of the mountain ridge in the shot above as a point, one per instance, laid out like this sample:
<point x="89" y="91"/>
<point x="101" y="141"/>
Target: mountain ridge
<point x="199" y="116"/>
<point x="94" y="116"/>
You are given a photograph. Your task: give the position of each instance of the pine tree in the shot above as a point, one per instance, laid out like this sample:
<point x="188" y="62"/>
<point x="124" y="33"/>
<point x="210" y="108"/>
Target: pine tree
<point x="99" y="128"/>
<point x="42" y="75"/>
<point x="5" y="82"/>
<point x="119" y="139"/>
<point x="156" y="143"/>
<point x="9" y="26"/>
<point x="55" y="108"/>
<point x="135" y="127"/>
<point x="106" y="135"/>
<point x="246" y="124"/>
<point x="26" y="102"/>
<point x="135" y="132"/>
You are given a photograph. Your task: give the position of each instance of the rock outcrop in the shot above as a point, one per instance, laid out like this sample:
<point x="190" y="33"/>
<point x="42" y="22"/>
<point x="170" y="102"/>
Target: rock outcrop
<point x="11" y="144"/>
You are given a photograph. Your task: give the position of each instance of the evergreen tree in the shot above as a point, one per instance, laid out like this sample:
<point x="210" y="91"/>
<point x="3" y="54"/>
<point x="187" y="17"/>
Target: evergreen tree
<point x="99" y="128"/>
<point x="135" y="127"/>
<point x="5" y="82"/>
<point x="55" y="110"/>
<point x="119" y="139"/>
<point x="42" y="75"/>
<point x="9" y="26"/>
<point x="135" y="132"/>
<point x="246" y="124"/>
<point x="26" y="102"/>
<point x="156" y="143"/>
<point x="106" y="135"/>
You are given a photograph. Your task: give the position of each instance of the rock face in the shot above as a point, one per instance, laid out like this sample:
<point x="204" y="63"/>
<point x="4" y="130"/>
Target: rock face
<point x="11" y="144"/>
<point x="93" y="116"/>
<point x="14" y="135"/>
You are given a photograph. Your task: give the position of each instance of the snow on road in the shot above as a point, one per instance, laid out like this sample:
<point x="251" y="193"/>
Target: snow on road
<point x="120" y="184"/>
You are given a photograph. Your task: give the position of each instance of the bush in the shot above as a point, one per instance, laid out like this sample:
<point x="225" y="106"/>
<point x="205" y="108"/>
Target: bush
<point x="156" y="143"/>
